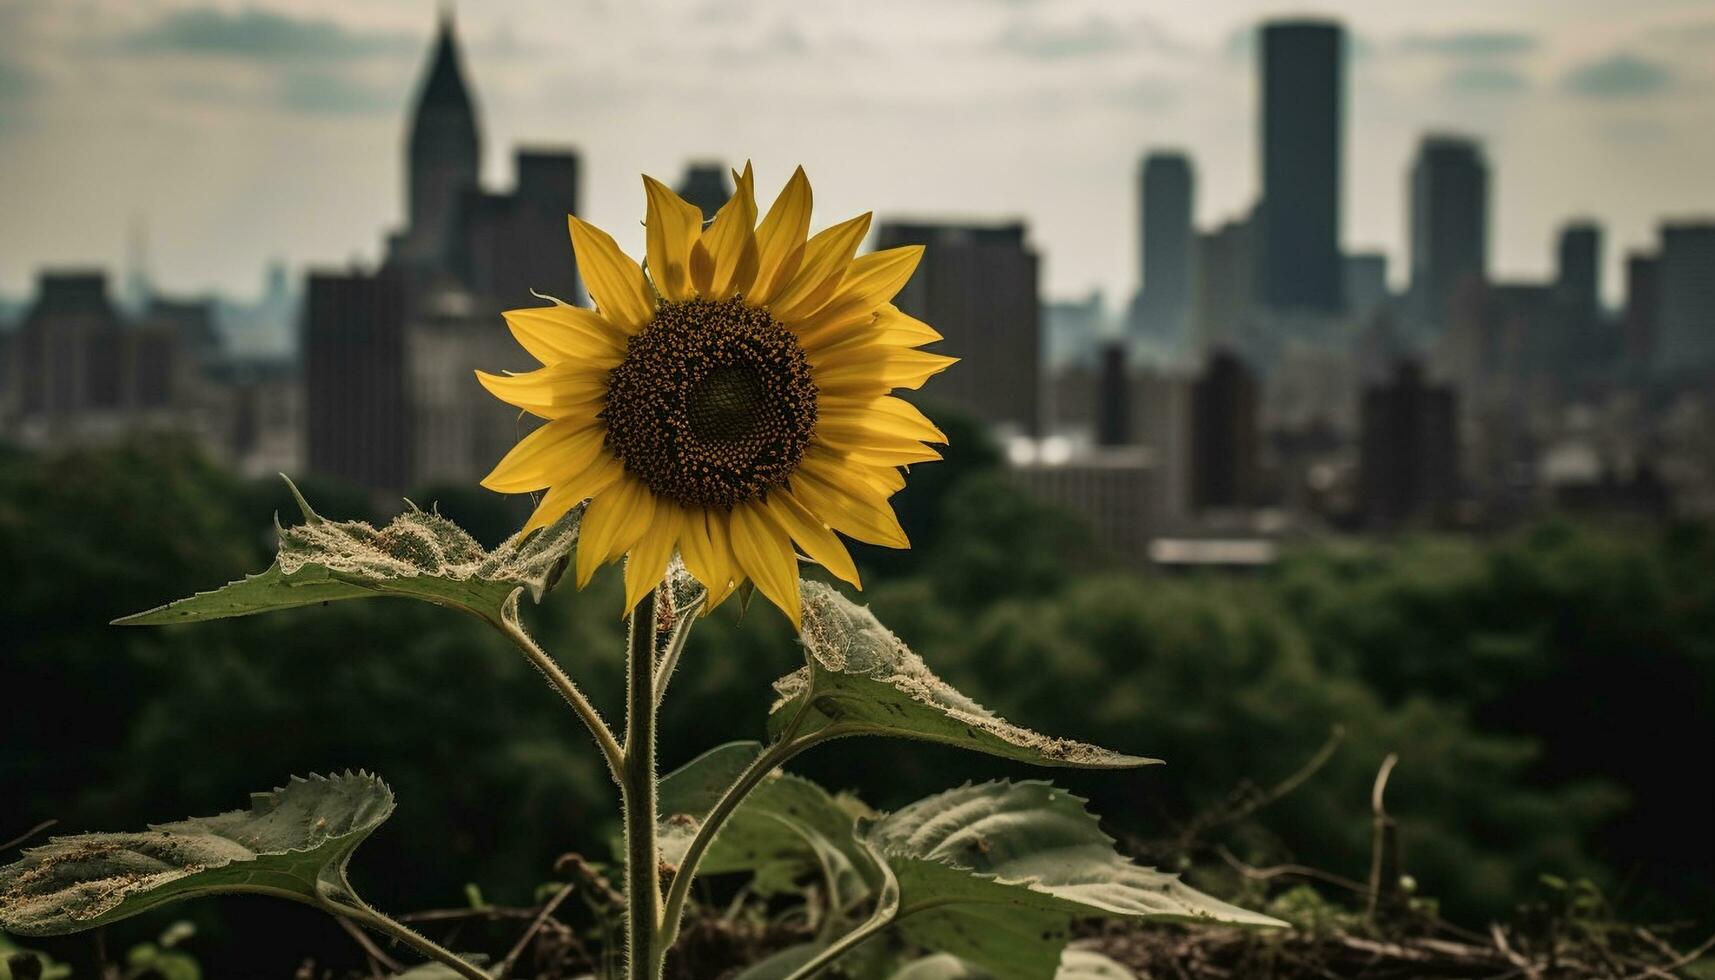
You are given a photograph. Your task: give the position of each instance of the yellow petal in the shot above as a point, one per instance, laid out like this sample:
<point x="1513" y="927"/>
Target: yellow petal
<point x="561" y="333"/>
<point x="615" y="282"/>
<point x="729" y="244"/>
<point x="612" y="524"/>
<point x="891" y="455"/>
<point x="826" y="259"/>
<point x="765" y="553"/>
<point x="897" y="327"/>
<point x="564" y="496"/>
<point x="647" y="564"/>
<point x="707" y="564"/>
<point x="780" y="239"/>
<point x="872" y="280"/>
<point x="885" y="414"/>
<point x="881" y="480"/>
<point x="719" y="526"/>
<point x="853" y="508"/>
<point x="554" y="452"/>
<point x="877" y="370"/>
<point x="812" y="535"/>
<point x="673" y="227"/>
<point x="876" y="448"/>
<point x="560" y="390"/>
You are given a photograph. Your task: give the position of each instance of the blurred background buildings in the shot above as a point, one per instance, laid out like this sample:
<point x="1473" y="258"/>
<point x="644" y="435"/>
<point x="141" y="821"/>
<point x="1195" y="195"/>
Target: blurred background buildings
<point x="1263" y="381"/>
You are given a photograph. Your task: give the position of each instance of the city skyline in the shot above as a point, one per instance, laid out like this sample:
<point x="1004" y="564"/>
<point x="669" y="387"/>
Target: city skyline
<point x="983" y="109"/>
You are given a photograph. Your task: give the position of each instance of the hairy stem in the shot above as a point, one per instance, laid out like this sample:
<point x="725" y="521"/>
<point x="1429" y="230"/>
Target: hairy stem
<point x="772" y="758"/>
<point x="361" y="913"/>
<point x="637" y="785"/>
<point x="885" y="914"/>
<point x="569" y="690"/>
<point x="687" y="617"/>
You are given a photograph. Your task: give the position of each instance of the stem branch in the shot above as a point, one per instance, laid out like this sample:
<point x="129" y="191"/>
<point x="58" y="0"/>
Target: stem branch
<point x="569" y="690"/>
<point x="687" y="618"/>
<point x="772" y="758"/>
<point x="361" y="913"/>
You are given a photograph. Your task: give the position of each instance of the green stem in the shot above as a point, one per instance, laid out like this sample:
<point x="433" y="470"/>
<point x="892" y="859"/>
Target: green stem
<point x="676" y="645"/>
<point x="569" y="690"/>
<point x="772" y="758"/>
<point x="637" y="785"/>
<point x="885" y="914"/>
<point x="361" y="913"/>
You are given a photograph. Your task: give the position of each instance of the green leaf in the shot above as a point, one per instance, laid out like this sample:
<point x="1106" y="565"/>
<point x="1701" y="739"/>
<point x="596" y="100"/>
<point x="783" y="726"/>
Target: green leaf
<point x="996" y="874"/>
<point x="940" y="966"/>
<point x="292" y="843"/>
<point x="779" y="966"/>
<point x="860" y="679"/>
<point x="1085" y="964"/>
<point x="418" y="555"/>
<point x="1075" y="964"/>
<point x="786" y="828"/>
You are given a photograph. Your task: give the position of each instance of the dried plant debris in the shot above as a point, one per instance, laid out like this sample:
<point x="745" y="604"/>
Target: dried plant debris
<point x="419" y="554"/>
<point x="286" y="844"/>
<point x="859" y="679"/>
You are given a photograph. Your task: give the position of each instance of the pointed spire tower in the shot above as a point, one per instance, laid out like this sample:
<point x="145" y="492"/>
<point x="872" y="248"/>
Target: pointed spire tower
<point x="444" y="155"/>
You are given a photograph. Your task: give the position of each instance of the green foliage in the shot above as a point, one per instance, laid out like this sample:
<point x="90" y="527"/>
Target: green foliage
<point x="1075" y="964"/>
<point x="1529" y="681"/>
<point x="996" y="874"/>
<point x="859" y="679"/>
<point x="786" y="828"/>
<point x="419" y="555"/>
<point x="292" y="843"/>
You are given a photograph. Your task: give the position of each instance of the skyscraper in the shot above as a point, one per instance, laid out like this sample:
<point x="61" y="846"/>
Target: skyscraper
<point x="413" y="329"/>
<point x="978" y="285"/>
<point x="357" y="409"/>
<point x="1643" y="303"/>
<point x="706" y="185"/>
<point x="1164" y="306"/>
<point x="1301" y="73"/>
<point x="444" y="157"/>
<point x="1449" y="225"/>
<point x="1578" y="277"/>
<point x="1366" y="282"/>
<point x="1225" y="284"/>
<point x="1685" y="339"/>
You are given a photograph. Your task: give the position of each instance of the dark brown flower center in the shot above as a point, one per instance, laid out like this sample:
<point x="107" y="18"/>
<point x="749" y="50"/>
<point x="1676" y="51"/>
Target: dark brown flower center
<point x="713" y="404"/>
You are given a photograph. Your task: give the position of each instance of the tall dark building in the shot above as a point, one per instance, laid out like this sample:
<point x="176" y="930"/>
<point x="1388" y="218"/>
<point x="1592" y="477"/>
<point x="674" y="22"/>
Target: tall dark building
<point x="444" y="158"/>
<point x="1643" y="305"/>
<point x="1449" y="226"/>
<point x="1685" y="335"/>
<point x="1224" y="441"/>
<point x="507" y="245"/>
<point x="1164" y="300"/>
<point x="1113" y="401"/>
<point x="67" y="356"/>
<point x="1408" y="450"/>
<point x="1302" y="108"/>
<point x="1578" y="276"/>
<point x="357" y="415"/>
<point x="707" y="186"/>
<point x="977" y="285"/>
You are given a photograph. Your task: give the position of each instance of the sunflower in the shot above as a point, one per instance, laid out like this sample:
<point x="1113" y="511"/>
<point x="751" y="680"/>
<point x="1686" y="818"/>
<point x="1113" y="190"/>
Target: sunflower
<point x="732" y="403"/>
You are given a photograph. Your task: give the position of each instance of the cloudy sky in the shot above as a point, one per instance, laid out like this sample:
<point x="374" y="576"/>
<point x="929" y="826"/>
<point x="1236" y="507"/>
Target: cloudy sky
<point x="240" y="132"/>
